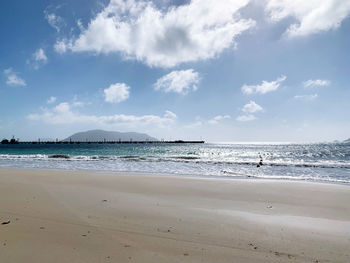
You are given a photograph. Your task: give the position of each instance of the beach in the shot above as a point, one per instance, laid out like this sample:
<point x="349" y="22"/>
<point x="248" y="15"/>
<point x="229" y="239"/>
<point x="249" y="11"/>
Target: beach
<point x="81" y="216"/>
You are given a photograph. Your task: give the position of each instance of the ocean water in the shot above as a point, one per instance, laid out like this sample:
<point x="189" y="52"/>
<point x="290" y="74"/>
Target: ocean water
<point x="311" y="162"/>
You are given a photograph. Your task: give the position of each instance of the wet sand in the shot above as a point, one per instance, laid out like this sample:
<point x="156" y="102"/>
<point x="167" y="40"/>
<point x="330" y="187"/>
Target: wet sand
<point x="65" y="216"/>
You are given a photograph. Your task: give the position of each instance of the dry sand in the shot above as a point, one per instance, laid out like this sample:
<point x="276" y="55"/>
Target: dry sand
<point x="64" y="216"/>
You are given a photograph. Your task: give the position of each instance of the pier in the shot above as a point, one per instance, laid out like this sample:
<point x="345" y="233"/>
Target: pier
<point x="12" y="142"/>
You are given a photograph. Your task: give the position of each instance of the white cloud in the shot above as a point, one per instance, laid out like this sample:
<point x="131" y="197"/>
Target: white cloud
<point x="316" y="83"/>
<point x="264" y="87"/>
<point x="248" y="109"/>
<point x="61" y="46"/>
<point x="40" y="55"/>
<point x="248" y="117"/>
<point x="166" y="37"/>
<point x="170" y="115"/>
<point x="54" y="20"/>
<point x="62" y="108"/>
<point x="39" y="58"/>
<point x="181" y="81"/>
<point x="117" y="92"/>
<point x="64" y="113"/>
<point x="312" y="16"/>
<point x="306" y="97"/>
<point x="251" y="107"/>
<point x="219" y="118"/>
<point x="51" y="100"/>
<point x="13" y="79"/>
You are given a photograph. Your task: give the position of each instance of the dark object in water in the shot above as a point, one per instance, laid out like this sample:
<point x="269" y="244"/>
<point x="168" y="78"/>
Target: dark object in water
<point x="6" y="223"/>
<point x="64" y="156"/>
<point x="261" y="162"/>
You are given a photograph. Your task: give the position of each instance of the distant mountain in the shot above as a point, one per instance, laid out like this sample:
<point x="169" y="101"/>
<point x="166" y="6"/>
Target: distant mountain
<point x="101" y="135"/>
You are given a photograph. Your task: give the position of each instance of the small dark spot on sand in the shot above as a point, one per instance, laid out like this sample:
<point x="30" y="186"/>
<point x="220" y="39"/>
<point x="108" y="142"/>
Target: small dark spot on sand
<point x="269" y="206"/>
<point x="277" y="253"/>
<point x="83" y="235"/>
<point x="168" y="230"/>
<point x="255" y="247"/>
<point x="104" y="200"/>
<point x="4" y="244"/>
<point x="6" y="222"/>
<point x="129" y="257"/>
<point x="42" y="227"/>
<point x="185" y="254"/>
<point x="127" y="246"/>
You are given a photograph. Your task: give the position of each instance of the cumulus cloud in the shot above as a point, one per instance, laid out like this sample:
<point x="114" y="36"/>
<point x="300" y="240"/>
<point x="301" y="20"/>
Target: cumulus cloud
<point x="248" y="110"/>
<point x="181" y="81"/>
<point x="51" y="100"/>
<point x="117" y="92"/>
<point x="316" y="83"/>
<point x="61" y="46"/>
<point x="13" y="79"/>
<point x="38" y="59"/>
<point x="54" y="20"/>
<point x="64" y="113"/>
<point x="40" y="55"/>
<point x="306" y="97"/>
<point x="247" y="117"/>
<point x="219" y="118"/>
<point x="166" y="37"/>
<point x="170" y="115"/>
<point x="312" y="16"/>
<point x="264" y="87"/>
<point x="252" y="107"/>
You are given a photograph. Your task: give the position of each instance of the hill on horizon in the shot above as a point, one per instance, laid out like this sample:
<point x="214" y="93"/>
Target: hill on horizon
<point x="101" y="135"/>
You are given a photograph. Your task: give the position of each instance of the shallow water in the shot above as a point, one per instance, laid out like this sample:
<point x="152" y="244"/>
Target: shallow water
<point x="312" y="162"/>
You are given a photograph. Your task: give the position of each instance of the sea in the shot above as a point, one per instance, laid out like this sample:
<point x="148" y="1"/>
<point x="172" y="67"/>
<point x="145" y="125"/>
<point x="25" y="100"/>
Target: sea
<point x="318" y="162"/>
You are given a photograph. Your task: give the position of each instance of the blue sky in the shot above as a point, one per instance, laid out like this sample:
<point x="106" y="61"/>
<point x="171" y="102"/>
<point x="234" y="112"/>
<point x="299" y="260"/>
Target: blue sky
<point x="234" y="70"/>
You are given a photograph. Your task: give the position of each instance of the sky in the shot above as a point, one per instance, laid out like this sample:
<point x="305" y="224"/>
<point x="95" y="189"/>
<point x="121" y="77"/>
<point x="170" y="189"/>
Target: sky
<point x="217" y="70"/>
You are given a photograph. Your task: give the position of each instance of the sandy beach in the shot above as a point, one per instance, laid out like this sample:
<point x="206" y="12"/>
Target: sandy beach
<point x="65" y="216"/>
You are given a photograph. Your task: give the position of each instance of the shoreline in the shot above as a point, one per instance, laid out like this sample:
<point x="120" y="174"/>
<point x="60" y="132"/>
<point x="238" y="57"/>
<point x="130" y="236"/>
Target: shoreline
<point x="171" y="175"/>
<point x="81" y="216"/>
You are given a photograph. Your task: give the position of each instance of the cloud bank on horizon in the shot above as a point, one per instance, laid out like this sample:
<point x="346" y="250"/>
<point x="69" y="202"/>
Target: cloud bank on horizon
<point x="188" y="60"/>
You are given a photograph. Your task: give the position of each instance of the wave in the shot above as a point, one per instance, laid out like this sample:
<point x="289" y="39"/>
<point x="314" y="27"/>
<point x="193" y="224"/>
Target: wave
<point x="288" y="177"/>
<point x="180" y="158"/>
